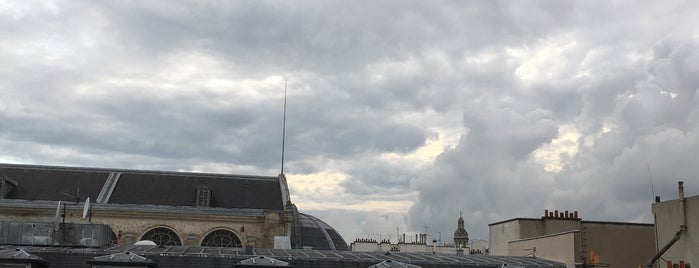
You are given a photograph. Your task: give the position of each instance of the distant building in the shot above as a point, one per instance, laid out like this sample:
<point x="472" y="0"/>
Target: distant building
<point x="461" y="237"/>
<point x="677" y="226"/>
<point x="478" y="246"/>
<point x="564" y="237"/>
<point x="420" y="243"/>
<point x="169" y="208"/>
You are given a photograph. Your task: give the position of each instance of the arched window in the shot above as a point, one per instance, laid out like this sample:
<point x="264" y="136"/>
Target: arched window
<point x="221" y="238"/>
<point x="203" y="196"/>
<point x="162" y="236"/>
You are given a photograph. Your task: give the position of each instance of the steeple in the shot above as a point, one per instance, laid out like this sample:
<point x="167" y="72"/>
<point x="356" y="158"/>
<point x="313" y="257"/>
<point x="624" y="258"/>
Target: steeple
<point x="460" y="235"/>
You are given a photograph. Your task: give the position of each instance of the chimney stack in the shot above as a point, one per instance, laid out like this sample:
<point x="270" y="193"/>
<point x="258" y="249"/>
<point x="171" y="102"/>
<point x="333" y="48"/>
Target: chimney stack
<point x="682" y="206"/>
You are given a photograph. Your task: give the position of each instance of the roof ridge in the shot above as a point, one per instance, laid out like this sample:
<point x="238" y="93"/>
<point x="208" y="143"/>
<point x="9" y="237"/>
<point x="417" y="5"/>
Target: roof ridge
<point x="137" y="171"/>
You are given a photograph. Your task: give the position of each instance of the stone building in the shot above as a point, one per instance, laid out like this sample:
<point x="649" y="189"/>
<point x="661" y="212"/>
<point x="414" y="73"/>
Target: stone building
<point x="563" y="236"/>
<point x="169" y="208"/>
<point x="676" y="223"/>
<point x="460" y="236"/>
<point x="420" y="243"/>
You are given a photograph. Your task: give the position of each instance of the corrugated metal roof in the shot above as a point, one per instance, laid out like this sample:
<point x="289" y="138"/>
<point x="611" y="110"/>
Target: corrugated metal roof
<point x="183" y="256"/>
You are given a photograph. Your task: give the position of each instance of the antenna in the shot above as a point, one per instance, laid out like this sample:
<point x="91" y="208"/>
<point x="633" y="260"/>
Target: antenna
<point x="284" y="125"/>
<point x="652" y="191"/>
<point x="86" y="208"/>
<point x="57" y="217"/>
<point x="76" y="196"/>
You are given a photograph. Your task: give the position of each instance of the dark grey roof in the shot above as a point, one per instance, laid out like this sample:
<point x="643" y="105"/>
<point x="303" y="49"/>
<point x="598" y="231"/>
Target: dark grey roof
<point x="183" y="256"/>
<point x="317" y="234"/>
<point x="142" y="187"/>
<point x="122" y="258"/>
<point x="18" y="255"/>
<point x="262" y="261"/>
<point x="393" y="264"/>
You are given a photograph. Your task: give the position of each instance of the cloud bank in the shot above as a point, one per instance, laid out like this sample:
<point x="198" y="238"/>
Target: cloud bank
<point x="401" y="114"/>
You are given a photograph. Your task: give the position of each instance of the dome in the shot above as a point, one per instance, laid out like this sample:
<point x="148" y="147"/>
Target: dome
<point x="460" y="235"/>
<point x="317" y="234"/>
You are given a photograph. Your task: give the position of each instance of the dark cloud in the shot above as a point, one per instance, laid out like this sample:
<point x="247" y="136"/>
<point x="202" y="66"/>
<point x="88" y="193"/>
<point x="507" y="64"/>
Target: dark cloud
<point x="179" y="85"/>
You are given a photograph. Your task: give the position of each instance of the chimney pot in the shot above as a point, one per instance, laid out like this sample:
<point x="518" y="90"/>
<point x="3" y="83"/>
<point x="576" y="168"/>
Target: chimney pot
<point x="681" y="183"/>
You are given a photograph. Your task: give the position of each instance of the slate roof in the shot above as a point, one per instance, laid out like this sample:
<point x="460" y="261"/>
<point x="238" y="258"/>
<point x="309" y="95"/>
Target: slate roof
<point x="53" y="183"/>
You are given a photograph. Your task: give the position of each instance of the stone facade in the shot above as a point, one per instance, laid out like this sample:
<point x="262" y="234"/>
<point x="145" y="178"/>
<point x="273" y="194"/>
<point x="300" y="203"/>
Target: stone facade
<point x="129" y="225"/>
<point x="169" y="208"/>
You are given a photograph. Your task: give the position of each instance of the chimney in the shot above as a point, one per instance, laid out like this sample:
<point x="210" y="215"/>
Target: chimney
<point x="566" y="215"/>
<point x="575" y="215"/>
<point x="682" y="208"/>
<point x="546" y="213"/>
<point x="555" y="214"/>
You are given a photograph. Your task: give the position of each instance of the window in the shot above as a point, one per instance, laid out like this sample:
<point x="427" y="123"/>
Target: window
<point x="162" y="236"/>
<point x="221" y="238"/>
<point x="203" y="196"/>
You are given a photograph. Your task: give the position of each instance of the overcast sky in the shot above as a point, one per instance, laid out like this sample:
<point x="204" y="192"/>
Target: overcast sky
<point x="401" y="114"/>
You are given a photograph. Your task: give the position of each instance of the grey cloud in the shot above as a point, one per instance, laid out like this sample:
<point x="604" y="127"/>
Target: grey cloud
<point x="87" y="83"/>
<point x="487" y="174"/>
<point x="491" y="176"/>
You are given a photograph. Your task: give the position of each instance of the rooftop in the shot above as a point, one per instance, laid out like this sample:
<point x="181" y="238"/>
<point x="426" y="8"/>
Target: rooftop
<point x="183" y="256"/>
<point x="142" y="187"/>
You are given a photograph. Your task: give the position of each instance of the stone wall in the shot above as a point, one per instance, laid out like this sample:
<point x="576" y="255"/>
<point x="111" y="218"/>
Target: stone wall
<point x="258" y="231"/>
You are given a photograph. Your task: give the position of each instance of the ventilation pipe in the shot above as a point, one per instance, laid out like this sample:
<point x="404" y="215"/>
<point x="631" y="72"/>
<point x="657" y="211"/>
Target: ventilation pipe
<point x="683" y="228"/>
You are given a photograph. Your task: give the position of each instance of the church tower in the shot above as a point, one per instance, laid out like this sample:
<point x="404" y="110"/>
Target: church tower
<point x="460" y="236"/>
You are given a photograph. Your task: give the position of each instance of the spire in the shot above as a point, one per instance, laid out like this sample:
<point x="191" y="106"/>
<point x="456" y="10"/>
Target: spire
<point x="461" y="235"/>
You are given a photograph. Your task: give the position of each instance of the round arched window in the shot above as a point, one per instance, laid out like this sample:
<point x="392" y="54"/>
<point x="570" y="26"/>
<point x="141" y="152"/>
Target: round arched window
<point x="221" y="238"/>
<point x="162" y="236"/>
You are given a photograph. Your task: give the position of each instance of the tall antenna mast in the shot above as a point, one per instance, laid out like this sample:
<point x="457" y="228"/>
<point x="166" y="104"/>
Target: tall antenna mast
<point x="652" y="191"/>
<point x="284" y="125"/>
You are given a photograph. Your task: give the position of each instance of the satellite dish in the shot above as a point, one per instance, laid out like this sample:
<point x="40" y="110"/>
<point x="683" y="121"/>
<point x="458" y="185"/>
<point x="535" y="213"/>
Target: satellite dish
<point x="86" y="209"/>
<point x="145" y="243"/>
<point x="58" y="216"/>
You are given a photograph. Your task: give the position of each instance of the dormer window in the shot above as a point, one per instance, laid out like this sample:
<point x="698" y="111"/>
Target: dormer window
<point x="203" y="198"/>
<point x="6" y="186"/>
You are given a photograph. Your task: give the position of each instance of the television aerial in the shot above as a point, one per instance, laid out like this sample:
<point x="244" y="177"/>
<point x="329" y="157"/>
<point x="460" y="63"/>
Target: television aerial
<point x="86" y="210"/>
<point x="56" y="219"/>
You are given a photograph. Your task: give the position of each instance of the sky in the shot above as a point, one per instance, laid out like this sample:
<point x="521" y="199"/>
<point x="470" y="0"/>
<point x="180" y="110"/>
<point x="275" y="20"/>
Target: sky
<point x="401" y="115"/>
